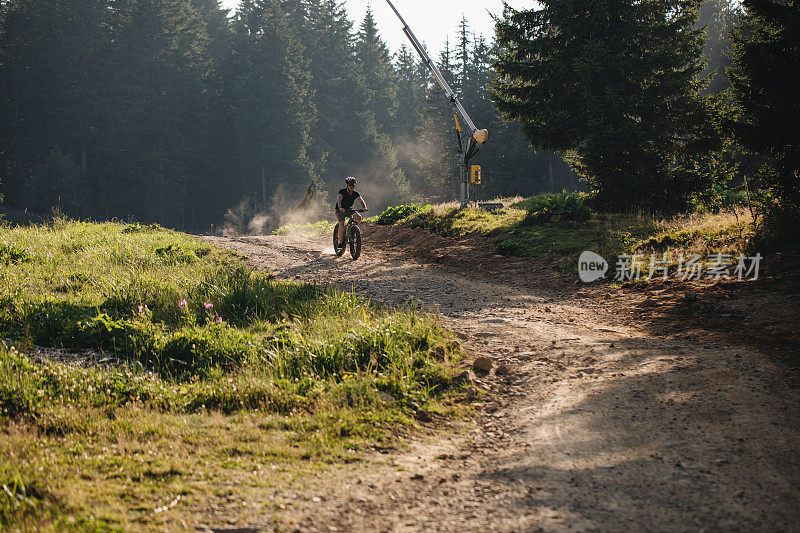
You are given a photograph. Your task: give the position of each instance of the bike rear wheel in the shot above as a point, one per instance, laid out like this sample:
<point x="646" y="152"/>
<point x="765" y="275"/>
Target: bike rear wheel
<point x="336" y="248"/>
<point x="355" y="241"/>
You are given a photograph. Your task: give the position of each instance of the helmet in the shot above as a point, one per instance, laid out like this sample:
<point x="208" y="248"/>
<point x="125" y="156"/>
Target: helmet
<point x="350" y="179"/>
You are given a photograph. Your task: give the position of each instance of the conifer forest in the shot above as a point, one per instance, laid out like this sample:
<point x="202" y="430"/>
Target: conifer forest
<point x="177" y="111"/>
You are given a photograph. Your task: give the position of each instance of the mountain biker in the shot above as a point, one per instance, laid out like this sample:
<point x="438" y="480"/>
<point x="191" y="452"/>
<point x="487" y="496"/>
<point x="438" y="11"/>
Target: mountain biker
<point x="344" y="201"/>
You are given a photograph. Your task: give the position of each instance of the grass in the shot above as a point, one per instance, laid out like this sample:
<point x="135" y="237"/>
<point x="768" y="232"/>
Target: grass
<point x="563" y="225"/>
<point x="213" y="373"/>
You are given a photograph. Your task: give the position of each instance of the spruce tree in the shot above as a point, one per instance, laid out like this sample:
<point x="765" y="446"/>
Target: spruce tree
<point x="616" y="83"/>
<point x="157" y="107"/>
<point x="437" y="138"/>
<point x="51" y="81"/>
<point x="765" y="78"/>
<point x="347" y="132"/>
<point x="380" y="78"/>
<point x="271" y="100"/>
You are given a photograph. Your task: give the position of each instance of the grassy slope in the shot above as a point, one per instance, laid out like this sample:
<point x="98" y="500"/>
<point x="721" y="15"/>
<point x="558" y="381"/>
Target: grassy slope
<point x="217" y="372"/>
<point x="513" y="231"/>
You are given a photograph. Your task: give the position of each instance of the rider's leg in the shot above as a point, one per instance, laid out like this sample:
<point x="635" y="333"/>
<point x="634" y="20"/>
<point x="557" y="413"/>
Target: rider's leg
<point x="357" y="217"/>
<point x="340" y="216"/>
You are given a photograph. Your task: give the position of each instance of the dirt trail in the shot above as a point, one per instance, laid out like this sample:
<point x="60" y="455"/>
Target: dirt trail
<point x="598" y="425"/>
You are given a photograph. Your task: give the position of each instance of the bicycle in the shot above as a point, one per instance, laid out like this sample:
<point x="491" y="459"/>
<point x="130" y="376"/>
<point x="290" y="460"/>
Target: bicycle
<point x="352" y="235"/>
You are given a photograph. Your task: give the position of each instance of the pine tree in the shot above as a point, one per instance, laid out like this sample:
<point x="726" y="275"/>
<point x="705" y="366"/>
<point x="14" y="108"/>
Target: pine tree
<point x="617" y="84"/>
<point x="347" y="134"/>
<point x="157" y="109"/>
<point x="765" y="78"/>
<point x="411" y="86"/>
<point x="270" y="90"/>
<point x="438" y="165"/>
<point x="380" y="78"/>
<point x="717" y="19"/>
<point x="51" y="73"/>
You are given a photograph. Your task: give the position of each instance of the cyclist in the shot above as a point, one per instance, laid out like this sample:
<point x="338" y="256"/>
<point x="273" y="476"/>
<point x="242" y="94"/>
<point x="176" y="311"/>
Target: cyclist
<point x="344" y="202"/>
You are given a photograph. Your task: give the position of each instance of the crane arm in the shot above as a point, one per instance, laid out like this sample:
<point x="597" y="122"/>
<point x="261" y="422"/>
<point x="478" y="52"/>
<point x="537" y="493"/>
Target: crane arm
<point x="481" y="134"/>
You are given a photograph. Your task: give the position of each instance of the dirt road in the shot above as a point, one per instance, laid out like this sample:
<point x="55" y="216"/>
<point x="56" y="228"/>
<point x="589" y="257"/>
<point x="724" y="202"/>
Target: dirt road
<point x="598" y="424"/>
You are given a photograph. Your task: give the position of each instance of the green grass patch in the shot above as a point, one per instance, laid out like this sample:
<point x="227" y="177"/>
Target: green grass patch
<point x="564" y="225"/>
<point x="201" y="353"/>
<point x="396" y="213"/>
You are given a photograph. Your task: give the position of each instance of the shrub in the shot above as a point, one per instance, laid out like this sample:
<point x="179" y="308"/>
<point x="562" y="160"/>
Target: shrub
<point x="554" y="208"/>
<point x="393" y="214"/>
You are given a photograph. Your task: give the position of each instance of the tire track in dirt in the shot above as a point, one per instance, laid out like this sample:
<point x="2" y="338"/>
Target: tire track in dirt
<point x="596" y="426"/>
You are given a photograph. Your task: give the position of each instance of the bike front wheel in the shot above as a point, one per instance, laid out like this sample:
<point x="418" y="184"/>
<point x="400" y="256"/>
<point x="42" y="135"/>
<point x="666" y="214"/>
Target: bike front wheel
<point x="338" y="250"/>
<point x="355" y="242"/>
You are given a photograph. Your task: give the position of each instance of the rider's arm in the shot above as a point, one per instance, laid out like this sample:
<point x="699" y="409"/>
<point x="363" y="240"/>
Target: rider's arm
<point x="361" y="199"/>
<point x="339" y="202"/>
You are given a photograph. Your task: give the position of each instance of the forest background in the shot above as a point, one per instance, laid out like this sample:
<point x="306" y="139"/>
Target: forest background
<point x="177" y="111"/>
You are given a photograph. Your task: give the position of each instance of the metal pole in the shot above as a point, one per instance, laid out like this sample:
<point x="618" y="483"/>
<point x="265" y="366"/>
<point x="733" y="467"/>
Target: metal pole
<point x="464" y="197"/>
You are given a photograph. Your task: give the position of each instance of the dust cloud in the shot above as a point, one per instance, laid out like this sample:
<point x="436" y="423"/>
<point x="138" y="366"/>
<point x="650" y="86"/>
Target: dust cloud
<point x="247" y="218"/>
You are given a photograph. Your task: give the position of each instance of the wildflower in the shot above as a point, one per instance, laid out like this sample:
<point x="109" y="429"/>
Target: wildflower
<point x="219" y="319"/>
<point x="49" y="255"/>
<point x="183" y="305"/>
<point x="208" y="305"/>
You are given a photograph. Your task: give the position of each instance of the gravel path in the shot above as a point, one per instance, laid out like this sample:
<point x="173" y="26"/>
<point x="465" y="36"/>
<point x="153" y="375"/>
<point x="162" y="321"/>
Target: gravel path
<point x="590" y="423"/>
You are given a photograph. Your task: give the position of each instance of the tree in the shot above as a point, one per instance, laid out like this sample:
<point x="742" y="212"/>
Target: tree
<point x="437" y="163"/>
<point x="616" y="84"/>
<point x="347" y="135"/>
<point x="51" y="72"/>
<point x="380" y="77"/>
<point x="717" y="19"/>
<point x="271" y="99"/>
<point x="765" y="78"/>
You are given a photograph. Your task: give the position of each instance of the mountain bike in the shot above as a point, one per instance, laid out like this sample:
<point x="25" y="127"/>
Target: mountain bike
<point x="352" y="235"/>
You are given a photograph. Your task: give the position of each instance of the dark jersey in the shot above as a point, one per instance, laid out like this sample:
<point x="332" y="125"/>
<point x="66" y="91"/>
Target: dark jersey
<point x="347" y="198"/>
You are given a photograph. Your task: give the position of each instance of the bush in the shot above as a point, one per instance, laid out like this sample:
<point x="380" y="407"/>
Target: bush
<point x="554" y="208"/>
<point x="393" y="214"/>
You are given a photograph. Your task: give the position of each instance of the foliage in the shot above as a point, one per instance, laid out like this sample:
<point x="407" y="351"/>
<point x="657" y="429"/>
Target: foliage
<point x="633" y="137"/>
<point x="134" y="295"/>
<point x="562" y="226"/>
<point x="717" y="18"/>
<point x="765" y="77"/>
<point x="547" y="208"/>
<point x="399" y="212"/>
<point x="231" y="366"/>
<point x="234" y="110"/>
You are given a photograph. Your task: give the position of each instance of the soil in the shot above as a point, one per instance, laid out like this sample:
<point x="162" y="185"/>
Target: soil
<point x="648" y="406"/>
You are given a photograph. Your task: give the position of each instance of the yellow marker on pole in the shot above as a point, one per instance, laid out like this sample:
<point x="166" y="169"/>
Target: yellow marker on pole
<point x="475" y="174"/>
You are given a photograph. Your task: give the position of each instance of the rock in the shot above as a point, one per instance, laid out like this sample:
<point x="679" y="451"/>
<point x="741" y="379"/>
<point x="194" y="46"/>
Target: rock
<point x="491" y="407"/>
<point x="502" y="370"/>
<point x="472" y="393"/>
<point x="482" y="364"/>
<point x="547" y="309"/>
<point x="424" y="416"/>
<point x="649" y="302"/>
<point x="464" y="377"/>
